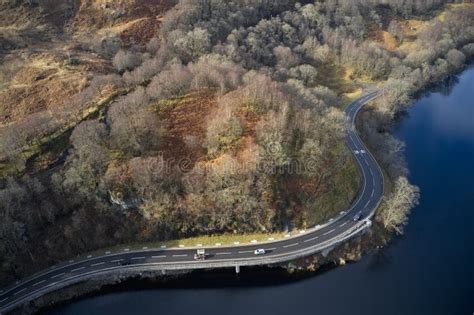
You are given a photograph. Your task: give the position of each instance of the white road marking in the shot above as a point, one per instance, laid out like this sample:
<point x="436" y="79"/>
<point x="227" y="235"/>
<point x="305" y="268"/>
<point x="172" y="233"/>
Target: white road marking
<point x="372" y="194"/>
<point x="245" y="252"/>
<point x="329" y="232"/>
<point x="1" y="301"/>
<point x="225" y="253"/>
<point x="343" y="224"/>
<point x="18" y="292"/>
<point x="272" y="248"/>
<point x="294" y="244"/>
<point x="311" y="239"/>
<point x="116" y="260"/>
<point x="138" y="258"/>
<point x="97" y="264"/>
<point x="367" y="204"/>
<point x="38" y="283"/>
<point x="183" y="255"/>
<point x="155" y="257"/>
<point x="58" y="275"/>
<point x="77" y="269"/>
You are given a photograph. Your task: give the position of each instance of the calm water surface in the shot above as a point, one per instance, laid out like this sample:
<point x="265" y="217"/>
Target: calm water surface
<point x="430" y="270"/>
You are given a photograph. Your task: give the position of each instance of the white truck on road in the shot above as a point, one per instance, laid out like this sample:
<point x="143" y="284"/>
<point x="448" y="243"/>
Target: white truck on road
<point x="200" y="254"/>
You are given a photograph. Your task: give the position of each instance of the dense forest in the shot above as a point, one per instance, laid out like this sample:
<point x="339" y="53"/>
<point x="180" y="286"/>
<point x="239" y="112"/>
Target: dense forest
<point x="228" y="120"/>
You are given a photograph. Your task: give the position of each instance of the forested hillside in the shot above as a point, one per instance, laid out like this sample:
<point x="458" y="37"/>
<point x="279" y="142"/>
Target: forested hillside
<point x="224" y="117"/>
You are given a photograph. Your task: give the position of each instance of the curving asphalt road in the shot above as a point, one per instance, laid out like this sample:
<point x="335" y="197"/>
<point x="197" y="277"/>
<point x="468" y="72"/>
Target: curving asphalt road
<point x="317" y="239"/>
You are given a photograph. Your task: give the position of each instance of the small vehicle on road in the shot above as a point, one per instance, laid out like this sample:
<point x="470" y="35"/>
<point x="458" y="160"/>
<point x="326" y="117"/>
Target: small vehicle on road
<point x="200" y="254"/>
<point x="260" y="251"/>
<point x="357" y="217"/>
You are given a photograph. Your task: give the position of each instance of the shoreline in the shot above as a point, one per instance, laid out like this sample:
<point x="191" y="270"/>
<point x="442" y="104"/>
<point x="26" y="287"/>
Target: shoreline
<point x="377" y="237"/>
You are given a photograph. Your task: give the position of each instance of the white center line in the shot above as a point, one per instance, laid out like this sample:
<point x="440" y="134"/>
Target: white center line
<point x="97" y="264"/>
<point x="58" y="275"/>
<point x="38" y="283"/>
<point x="311" y="239"/>
<point x="294" y="244"/>
<point x="155" y="257"/>
<point x="245" y="252"/>
<point x="77" y="269"/>
<point x="329" y="232"/>
<point x="138" y="258"/>
<point x="226" y="253"/>
<point x="184" y="255"/>
<point x="18" y="292"/>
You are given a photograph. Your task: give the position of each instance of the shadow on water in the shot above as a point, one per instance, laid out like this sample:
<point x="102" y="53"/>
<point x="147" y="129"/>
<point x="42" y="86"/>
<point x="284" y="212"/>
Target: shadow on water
<point x="253" y="277"/>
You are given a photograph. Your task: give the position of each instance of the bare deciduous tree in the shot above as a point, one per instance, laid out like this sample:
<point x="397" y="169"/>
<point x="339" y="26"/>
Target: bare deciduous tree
<point x="394" y="214"/>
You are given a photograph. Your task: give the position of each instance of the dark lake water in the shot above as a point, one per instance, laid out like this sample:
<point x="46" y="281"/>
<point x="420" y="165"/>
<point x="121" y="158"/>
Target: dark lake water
<point x="429" y="270"/>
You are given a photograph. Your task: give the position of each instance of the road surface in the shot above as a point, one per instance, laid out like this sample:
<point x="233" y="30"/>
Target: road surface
<point x="309" y="242"/>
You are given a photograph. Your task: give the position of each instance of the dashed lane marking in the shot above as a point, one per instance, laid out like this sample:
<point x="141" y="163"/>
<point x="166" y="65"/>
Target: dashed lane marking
<point x="245" y="252"/>
<point x="38" y="283"/>
<point x="343" y="224"/>
<point x="294" y="244"/>
<point x="18" y="292"/>
<point x="138" y="258"/>
<point x="77" y="269"/>
<point x="311" y="239"/>
<point x="225" y="253"/>
<point x="329" y="232"/>
<point x="1" y="301"/>
<point x="183" y="255"/>
<point x="58" y="275"/>
<point x="97" y="264"/>
<point x="156" y="257"/>
<point x="116" y="260"/>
